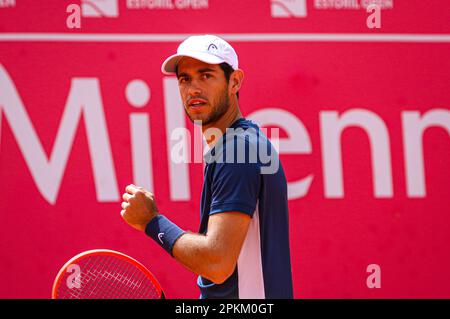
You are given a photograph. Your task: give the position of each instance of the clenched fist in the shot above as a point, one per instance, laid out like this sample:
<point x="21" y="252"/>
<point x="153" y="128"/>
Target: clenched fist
<point x="138" y="207"/>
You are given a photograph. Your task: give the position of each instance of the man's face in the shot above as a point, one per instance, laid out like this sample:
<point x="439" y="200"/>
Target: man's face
<point x="203" y="89"/>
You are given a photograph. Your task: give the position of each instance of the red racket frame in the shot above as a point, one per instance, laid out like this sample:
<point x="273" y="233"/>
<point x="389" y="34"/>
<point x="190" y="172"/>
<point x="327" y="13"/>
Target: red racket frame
<point x="108" y="252"/>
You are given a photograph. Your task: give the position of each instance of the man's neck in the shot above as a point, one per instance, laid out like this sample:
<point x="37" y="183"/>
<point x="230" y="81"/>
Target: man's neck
<point x="212" y="132"/>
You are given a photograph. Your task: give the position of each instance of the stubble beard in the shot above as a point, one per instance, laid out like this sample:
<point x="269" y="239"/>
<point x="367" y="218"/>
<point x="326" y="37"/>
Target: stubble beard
<point x="219" y="109"/>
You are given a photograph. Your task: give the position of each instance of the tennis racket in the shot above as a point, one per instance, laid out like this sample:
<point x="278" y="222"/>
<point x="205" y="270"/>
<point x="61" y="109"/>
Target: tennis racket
<point x="105" y="274"/>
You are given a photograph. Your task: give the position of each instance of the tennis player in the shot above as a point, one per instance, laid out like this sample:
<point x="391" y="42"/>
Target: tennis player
<point x="242" y="247"/>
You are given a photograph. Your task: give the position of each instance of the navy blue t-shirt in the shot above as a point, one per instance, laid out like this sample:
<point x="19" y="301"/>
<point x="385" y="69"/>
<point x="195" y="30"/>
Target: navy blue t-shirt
<point x="243" y="173"/>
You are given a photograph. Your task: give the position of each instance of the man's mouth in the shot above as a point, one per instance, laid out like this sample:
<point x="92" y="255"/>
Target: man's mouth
<point x="197" y="103"/>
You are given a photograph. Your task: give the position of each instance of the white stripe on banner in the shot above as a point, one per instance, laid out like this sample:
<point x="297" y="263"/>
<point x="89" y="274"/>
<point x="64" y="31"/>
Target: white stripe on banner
<point x="235" y="37"/>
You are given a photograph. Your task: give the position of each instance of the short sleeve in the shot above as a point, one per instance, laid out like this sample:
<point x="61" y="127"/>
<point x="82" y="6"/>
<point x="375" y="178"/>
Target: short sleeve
<point x="235" y="187"/>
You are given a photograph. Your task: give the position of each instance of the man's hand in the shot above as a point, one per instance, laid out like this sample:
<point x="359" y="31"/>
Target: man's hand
<point x="138" y="207"/>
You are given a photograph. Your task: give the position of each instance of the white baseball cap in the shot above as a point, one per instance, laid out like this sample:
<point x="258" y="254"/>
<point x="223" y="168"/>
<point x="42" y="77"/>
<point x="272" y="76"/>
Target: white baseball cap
<point x="207" y="48"/>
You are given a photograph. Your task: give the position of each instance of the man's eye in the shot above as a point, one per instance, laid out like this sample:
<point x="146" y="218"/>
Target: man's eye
<point x="206" y="76"/>
<point x="182" y="80"/>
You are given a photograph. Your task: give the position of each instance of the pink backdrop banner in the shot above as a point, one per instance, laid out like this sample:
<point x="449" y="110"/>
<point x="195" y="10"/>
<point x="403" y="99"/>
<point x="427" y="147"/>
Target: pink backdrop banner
<point x="364" y="125"/>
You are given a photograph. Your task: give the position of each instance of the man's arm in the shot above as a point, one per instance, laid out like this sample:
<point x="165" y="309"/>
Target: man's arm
<point x="214" y="255"/>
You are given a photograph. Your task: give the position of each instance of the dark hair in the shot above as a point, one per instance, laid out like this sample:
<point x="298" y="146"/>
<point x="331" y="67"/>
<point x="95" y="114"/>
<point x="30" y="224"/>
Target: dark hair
<point x="226" y="68"/>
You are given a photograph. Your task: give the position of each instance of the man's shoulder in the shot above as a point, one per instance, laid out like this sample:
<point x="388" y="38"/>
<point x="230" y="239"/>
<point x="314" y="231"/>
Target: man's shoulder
<point x="245" y="131"/>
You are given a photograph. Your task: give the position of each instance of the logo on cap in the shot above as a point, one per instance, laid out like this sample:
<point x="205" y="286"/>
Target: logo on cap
<point x="212" y="48"/>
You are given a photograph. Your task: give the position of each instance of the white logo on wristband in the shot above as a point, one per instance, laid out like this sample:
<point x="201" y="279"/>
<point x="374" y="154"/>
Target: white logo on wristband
<point x="160" y="235"/>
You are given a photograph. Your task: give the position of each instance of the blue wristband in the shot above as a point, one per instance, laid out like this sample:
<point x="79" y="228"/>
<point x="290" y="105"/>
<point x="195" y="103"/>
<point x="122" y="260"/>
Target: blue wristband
<point x="164" y="232"/>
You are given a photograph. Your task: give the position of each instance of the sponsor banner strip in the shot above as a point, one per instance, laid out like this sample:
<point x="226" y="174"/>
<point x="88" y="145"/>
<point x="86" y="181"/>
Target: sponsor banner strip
<point x="236" y="37"/>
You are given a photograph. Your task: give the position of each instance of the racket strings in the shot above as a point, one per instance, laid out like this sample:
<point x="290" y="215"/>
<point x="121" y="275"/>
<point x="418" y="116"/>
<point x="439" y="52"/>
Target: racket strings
<point x="108" y="277"/>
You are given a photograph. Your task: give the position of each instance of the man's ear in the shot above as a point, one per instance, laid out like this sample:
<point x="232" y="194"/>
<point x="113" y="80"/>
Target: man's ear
<point x="236" y="79"/>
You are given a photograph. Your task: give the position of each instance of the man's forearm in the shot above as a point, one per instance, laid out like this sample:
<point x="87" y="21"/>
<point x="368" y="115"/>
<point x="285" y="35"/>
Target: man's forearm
<point x="198" y="254"/>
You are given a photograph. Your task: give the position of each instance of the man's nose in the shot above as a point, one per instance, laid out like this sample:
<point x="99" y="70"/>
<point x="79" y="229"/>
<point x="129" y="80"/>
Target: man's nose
<point x="194" y="88"/>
